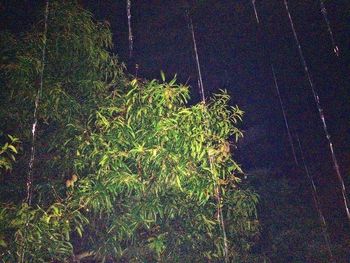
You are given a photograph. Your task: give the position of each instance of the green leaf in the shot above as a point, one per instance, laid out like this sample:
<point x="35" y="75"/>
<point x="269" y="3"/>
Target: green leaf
<point x="162" y="75"/>
<point x="12" y="148"/>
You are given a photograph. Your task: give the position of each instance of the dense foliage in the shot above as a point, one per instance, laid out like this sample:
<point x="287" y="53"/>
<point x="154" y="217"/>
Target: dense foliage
<point x="290" y="225"/>
<point x="125" y="169"/>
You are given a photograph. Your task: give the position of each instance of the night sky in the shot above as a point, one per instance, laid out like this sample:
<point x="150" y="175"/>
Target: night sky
<point x="235" y="54"/>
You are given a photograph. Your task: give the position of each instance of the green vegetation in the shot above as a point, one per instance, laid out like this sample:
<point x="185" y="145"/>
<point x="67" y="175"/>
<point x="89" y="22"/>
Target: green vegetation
<point x="8" y="152"/>
<point x="125" y="169"/>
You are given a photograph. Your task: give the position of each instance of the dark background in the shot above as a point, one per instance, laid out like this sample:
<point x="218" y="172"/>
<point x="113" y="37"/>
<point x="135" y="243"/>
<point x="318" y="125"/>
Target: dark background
<point x="236" y="54"/>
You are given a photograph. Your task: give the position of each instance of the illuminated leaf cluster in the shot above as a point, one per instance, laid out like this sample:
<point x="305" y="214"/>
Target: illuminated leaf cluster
<point x="126" y="169"/>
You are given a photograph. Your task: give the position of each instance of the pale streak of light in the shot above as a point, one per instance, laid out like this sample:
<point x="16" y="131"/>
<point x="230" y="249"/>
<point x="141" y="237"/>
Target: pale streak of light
<point x="280" y="99"/>
<point x="201" y="89"/>
<point x="200" y="80"/>
<point x="325" y="17"/>
<point x="128" y="10"/>
<point x="284" y="115"/>
<point x="320" y="110"/>
<point x="317" y="203"/>
<point x="255" y="12"/>
<point x="35" y="115"/>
